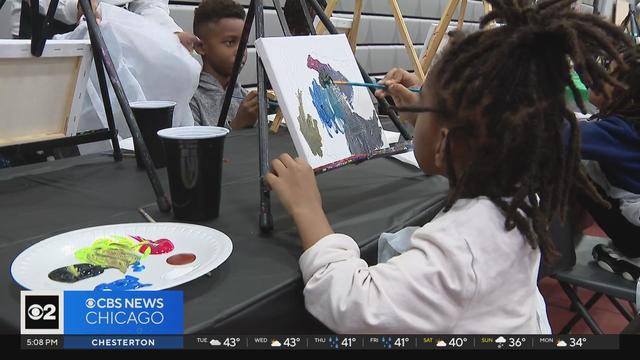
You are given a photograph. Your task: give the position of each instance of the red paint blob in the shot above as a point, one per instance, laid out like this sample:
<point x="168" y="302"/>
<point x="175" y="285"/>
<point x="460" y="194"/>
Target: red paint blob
<point x="160" y="246"/>
<point x="181" y="259"/>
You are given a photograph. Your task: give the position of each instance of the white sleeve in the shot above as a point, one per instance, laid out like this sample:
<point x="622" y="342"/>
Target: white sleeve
<point x="156" y="11"/>
<point x="424" y="289"/>
<point x="16" y="6"/>
<point x="66" y="12"/>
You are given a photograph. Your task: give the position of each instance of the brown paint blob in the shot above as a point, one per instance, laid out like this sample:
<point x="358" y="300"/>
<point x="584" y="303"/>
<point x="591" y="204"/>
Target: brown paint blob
<point x="181" y="259"/>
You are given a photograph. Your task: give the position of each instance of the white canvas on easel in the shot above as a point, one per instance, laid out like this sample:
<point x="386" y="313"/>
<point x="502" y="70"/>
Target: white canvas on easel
<point x="40" y="97"/>
<point x="327" y="122"/>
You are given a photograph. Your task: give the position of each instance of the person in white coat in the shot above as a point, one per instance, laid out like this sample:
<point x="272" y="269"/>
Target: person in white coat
<point x="69" y="12"/>
<point x="154" y="10"/>
<point x="151" y="54"/>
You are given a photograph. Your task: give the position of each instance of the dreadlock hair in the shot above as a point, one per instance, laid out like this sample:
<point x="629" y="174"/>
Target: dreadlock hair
<point x="210" y="11"/>
<point x="500" y="91"/>
<point x="626" y="102"/>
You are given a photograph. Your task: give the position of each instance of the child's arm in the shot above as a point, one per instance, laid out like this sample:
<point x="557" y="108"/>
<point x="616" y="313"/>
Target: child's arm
<point x="295" y="184"/>
<point x="156" y="11"/>
<point x="425" y="288"/>
<point x="247" y="112"/>
<point x="610" y="140"/>
<point x="188" y="40"/>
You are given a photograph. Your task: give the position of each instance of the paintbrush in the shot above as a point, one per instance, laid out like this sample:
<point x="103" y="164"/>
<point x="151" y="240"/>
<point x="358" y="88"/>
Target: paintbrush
<point x="371" y="85"/>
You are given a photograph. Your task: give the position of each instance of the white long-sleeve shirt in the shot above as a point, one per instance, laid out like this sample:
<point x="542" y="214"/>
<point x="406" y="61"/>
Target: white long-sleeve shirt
<point x="464" y="273"/>
<point x="154" y="10"/>
<point x="15" y="6"/>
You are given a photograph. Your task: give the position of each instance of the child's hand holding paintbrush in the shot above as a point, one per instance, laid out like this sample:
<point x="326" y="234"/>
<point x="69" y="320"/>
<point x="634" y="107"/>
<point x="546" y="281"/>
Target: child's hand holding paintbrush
<point x="399" y="84"/>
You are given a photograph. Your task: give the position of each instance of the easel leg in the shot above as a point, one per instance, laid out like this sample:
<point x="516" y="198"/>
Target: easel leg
<point x="266" y="219"/>
<point x="355" y="26"/>
<point x="277" y="121"/>
<point x="408" y="43"/>
<point x="104" y="92"/>
<point x="487" y="9"/>
<point x="281" y="18"/>
<point x="307" y="16"/>
<point x="596" y="7"/>
<point x="242" y="47"/>
<point x="441" y="30"/>
<point x="328" y="11"/>
<point x="98" y="42"/>
<point x="463" y="12"/>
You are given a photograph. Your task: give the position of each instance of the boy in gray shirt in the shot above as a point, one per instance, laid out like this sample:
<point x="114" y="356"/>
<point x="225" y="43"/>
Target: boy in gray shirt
<point x="219" y="24"/>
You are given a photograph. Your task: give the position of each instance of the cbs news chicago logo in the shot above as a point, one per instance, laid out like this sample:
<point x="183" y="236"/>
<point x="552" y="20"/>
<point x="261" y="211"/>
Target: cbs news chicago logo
<point x="41" y="312"/>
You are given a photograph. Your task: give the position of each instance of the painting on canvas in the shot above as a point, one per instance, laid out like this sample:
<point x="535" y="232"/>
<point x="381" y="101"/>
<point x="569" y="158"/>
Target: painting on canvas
<point x="327" y="122"/>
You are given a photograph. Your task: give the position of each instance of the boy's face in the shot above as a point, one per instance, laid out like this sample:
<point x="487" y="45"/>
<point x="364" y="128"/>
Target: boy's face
<point x="220" y="43"/>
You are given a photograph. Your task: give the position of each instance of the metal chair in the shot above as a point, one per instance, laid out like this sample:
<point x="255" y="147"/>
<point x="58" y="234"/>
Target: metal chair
<point x="577" y="269"/>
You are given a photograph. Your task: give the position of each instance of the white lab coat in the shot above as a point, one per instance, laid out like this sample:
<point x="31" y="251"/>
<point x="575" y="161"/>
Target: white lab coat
<point x="154" y="10"/>
<point x="151" y="63"/>
<point x="15" y="16"/>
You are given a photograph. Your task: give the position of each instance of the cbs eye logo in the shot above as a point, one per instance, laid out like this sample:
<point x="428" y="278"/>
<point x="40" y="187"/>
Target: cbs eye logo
<point x="37" y="312"/>
<point x="41" y="313"/>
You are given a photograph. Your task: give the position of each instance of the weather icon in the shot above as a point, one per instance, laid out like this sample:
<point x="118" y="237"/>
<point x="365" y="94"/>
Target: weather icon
<point x="501" y="340"/>
<point x="561" y="343"/>
<point x="441" y="343"/>
<point x="275" y="343"/>
<point x="215" y="342"/>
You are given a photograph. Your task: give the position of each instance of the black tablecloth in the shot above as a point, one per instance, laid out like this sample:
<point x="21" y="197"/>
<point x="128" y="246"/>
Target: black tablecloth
<point x="259" y="288"/>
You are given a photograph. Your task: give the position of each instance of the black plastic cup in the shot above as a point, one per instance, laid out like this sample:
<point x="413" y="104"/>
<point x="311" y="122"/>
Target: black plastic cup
<point x="152" y="116"/>
<point x="194" y="166"/>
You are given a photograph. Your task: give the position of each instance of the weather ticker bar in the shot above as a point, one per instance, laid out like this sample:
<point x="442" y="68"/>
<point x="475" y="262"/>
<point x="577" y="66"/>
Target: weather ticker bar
<point x="404" y="342"/>
<point x="325" y="342"/>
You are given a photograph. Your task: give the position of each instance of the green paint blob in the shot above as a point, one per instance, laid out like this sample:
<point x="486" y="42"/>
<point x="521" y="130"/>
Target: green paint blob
<point x="309" y="128"/>
<point x="117" y="252"/>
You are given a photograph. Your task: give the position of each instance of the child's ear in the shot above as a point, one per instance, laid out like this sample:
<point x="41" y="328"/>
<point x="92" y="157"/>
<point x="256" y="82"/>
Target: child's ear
<point x="440" y="153"/>
<point x="199" y="48"/>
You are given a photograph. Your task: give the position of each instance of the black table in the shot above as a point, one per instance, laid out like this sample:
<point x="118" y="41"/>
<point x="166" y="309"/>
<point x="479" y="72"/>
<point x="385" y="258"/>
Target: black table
<point x="258" y="290"/>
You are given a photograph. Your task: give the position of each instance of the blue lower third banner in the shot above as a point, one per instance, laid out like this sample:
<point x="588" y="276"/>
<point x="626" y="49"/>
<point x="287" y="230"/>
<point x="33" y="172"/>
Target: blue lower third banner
<point x="123" y="342"/>
<point x="123" y="313"/>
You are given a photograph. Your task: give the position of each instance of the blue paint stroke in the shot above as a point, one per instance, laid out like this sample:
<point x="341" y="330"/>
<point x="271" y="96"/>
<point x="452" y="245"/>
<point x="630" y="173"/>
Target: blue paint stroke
<point x="329" y="74"/>
<point x="137" y="267"/>
<point x="321" y="102"/>
<point x="127" y="283"/>
<point x="337" y="114"/>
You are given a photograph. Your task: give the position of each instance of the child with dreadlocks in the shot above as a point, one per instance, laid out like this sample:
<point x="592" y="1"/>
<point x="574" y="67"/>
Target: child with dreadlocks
<point x="490" y="118"/>
<point x="612" y="143"/>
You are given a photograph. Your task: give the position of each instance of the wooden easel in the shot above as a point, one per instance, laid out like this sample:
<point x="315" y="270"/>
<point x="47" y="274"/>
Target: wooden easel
<point x="441" y="30"/>
<point x="352" y="36"/>
<point x="256" y="12"/>
<point x="353" y="33"/>
<point x="40" y="32"/>
<point x="630" y="21"/>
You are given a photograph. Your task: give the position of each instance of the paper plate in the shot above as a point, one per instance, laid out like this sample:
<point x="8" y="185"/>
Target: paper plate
<point x="211" y="248"/>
